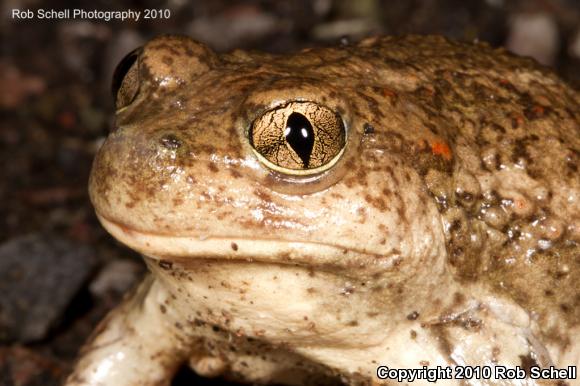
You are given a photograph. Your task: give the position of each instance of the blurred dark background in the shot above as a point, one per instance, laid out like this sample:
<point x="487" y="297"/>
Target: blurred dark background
<point x="59" y="271"/>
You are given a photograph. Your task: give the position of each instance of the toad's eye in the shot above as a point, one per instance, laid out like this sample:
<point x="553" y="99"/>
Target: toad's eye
<point x="298" y="138"/>
<point x="126" y="79"/>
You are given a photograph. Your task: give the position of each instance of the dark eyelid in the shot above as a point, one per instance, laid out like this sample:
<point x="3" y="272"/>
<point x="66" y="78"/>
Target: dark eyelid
<point x="122" y="69"/>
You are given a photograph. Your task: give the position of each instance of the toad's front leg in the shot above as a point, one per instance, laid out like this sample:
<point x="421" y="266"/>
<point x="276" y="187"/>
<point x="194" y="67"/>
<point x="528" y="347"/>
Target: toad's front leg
<point x="136" y="344"/>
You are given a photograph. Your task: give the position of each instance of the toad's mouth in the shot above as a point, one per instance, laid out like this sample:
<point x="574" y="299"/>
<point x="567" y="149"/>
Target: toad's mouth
<point x="179" y="248"/>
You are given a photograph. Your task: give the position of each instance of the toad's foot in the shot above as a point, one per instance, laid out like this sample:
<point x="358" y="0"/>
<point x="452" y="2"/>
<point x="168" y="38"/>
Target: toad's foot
<point x="133" y="345"/>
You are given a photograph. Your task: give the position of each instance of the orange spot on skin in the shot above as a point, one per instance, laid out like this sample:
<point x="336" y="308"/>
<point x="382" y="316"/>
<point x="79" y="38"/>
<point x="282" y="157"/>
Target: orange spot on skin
<point x="429" y="91"/>
<point x="389" y="93"/>
<point x="518" y="118"/>
<point x="126" y="229"/>
<point x="538" y="110"/>
<point x="520" y="203"/>
<point x="442" y="149"/>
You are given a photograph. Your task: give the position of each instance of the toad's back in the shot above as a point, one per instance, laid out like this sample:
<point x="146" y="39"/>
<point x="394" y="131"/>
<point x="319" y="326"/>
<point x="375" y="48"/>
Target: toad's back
<point x="515" y="130"/>
<point x="509" y="192"/>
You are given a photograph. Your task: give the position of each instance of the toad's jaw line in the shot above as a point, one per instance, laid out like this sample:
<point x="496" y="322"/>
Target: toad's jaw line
<point x="161" y="246"/>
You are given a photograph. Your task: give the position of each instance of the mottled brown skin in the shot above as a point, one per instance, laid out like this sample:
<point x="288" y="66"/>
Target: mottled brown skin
<point x="459" y="181"/>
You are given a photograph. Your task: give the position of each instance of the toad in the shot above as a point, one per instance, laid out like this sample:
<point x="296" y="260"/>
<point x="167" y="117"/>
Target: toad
<point x="408" y="202"/>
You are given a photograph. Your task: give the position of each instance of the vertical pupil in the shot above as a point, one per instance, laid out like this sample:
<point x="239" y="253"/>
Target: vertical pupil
<point x="300" y="136"/>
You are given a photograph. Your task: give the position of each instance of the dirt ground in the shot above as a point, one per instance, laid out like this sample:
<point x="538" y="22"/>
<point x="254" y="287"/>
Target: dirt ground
<point x="59" y="270"/>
